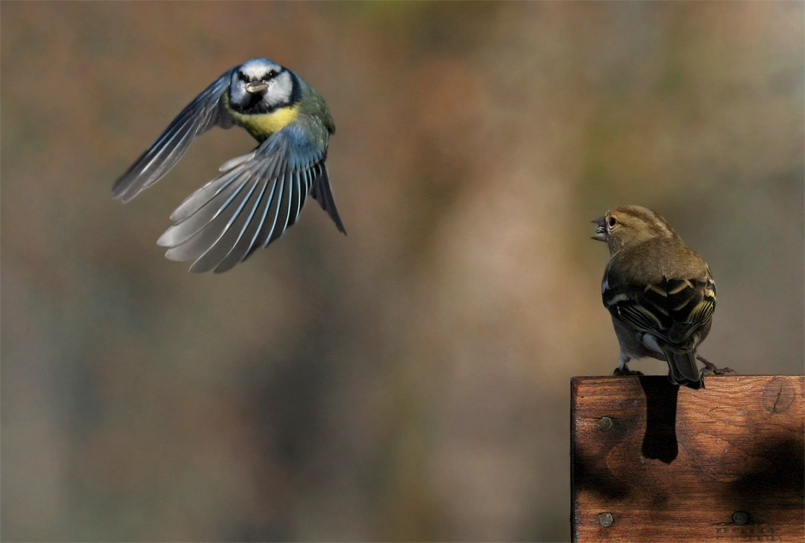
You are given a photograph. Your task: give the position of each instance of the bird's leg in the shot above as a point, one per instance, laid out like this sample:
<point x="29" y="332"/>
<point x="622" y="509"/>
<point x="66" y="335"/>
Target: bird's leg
<point x="622" y="369"/>
<point x="711" y="369"/>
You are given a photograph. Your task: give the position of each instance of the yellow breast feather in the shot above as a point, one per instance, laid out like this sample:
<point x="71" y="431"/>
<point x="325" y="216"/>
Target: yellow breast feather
<point x="263" y="125"/>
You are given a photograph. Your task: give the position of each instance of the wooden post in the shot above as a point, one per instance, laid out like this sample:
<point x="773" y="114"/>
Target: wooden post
<point x="651" y="461"/>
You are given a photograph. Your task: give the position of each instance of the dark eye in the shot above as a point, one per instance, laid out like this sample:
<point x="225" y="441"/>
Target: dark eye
<point x="271" y="75"/>
<point x="611" y="222"/>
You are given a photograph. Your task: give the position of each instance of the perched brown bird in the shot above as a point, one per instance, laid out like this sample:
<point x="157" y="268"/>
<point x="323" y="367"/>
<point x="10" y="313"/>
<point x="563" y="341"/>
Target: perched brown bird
<point x="660" y="293"/>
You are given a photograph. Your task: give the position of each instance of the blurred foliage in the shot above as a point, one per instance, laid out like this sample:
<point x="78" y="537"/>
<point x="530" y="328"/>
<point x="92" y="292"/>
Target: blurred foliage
<point x="409" y="381"/>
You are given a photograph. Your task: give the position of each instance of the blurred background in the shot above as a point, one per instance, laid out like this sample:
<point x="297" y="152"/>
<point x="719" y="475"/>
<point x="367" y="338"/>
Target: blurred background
<point x="409" y="381"/>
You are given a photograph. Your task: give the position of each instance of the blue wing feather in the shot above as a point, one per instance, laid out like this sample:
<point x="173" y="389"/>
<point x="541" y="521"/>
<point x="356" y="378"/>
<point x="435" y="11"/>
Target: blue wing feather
<point x="219" y="225"/>
<point x="205" y="111"/>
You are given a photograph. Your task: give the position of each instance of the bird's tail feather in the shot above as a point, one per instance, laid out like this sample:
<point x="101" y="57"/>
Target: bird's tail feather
<point x="323" y="194"/>
<point x="683" y="369"/>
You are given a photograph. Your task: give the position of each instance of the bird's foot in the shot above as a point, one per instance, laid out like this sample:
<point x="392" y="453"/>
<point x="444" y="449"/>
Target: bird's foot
<point x="719" y="371"/>
<point x="711" y="369"/>
<point x="626" y="371"/>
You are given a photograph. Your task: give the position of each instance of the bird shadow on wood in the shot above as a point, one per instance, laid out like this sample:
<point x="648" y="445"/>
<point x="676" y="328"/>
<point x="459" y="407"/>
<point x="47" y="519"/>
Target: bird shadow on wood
<point x="660" y="441"/>
<point x="775" y="474"/>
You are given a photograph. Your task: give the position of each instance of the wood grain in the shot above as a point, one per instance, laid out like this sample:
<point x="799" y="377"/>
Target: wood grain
<point x="675" y="464"/>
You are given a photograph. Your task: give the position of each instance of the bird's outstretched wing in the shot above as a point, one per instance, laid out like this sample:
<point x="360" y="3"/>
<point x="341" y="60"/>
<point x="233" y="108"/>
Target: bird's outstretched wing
<point x="205" y="111"/>
<point x="256" y="198"/>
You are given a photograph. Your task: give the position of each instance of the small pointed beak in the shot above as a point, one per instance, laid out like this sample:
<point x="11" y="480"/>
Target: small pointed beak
<point x="256" y="87"/>
<point x="600" y="229"/>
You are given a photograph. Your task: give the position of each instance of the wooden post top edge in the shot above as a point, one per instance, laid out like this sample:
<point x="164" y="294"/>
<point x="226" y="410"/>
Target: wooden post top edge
<point x="625" y="378"/>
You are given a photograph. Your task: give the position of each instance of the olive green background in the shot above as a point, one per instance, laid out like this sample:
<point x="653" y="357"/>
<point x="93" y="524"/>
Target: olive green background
<point x="409" y="381"/>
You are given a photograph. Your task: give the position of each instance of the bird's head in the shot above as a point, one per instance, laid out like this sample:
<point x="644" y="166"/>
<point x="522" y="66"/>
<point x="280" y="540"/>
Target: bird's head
<point x="261" y="86"/>
<point x="630" y="225"/>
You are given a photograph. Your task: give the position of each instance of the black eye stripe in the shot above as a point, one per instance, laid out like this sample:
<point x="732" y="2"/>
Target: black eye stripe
<point x="267" y="77"/>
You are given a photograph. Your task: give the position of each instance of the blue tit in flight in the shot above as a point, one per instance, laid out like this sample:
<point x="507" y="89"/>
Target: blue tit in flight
<point x="258" y="195"/>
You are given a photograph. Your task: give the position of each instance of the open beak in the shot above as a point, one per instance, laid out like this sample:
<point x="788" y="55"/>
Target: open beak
<point x="600" y="229"/>
<point x="256" y="87"/>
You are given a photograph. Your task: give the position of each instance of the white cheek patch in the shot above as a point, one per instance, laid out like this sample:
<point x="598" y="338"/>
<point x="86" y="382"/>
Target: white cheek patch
<point x="279" y="90"/>
<point x="238" y="91"/>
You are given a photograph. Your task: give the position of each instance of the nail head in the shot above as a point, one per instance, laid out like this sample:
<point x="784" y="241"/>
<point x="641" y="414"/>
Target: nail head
<point x="740" y="517"/>
<point x="605" y="423"/>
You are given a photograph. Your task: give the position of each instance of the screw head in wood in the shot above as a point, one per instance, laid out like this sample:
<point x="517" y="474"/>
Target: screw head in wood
<point x="740" y="517"/>
<point x="605" y="423"/>
<point x="605" y="520"/>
